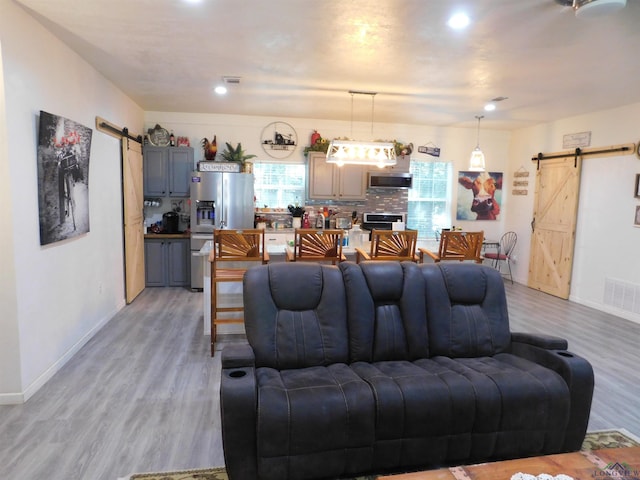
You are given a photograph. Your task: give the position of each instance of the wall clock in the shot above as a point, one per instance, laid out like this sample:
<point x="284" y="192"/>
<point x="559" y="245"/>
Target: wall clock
<point x="279" y="139"/>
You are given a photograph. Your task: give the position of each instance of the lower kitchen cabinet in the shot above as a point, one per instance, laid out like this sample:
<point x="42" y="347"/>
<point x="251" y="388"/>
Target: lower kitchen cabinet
<point x="166" y="262"/>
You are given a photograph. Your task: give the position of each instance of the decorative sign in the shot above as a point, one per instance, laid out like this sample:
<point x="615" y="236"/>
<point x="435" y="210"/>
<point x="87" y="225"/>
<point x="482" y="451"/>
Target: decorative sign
<point x="522" y="175"/>
<point x="575" y="140"/>
<point x="158" y="136"/>
<point x="433" y="151"/>
<point x="210" y="166"/>
<point x="279" y="139"/>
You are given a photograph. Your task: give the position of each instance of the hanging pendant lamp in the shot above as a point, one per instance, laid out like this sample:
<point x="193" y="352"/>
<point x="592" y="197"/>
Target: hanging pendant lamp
<point x="476" y="163"/>
<point x="381" y="154"/>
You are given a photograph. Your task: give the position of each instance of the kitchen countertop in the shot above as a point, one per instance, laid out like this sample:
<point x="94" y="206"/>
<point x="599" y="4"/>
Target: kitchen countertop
<point x="167" y="235"/>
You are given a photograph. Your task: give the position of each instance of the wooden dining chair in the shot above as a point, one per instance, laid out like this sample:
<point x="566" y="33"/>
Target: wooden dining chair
<point x="233" y="252"/>
<point x="316" y="245"/>
<point x="458" y="246"/>
<point x="397" y="245"/>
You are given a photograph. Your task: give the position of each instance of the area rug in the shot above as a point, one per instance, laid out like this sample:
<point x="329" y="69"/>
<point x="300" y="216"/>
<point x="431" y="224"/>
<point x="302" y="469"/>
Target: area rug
<point x="593" y="441"/>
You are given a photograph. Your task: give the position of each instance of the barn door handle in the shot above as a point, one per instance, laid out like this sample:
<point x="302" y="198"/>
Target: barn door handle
<point x="533" y="225"/>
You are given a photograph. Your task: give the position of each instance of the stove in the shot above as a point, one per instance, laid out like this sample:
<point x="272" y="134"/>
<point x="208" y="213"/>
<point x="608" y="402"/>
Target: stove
<point x="381" y="221"/>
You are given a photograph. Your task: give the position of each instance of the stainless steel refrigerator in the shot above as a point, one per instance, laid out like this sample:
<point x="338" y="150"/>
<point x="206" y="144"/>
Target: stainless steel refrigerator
<point x="218" y="200"/>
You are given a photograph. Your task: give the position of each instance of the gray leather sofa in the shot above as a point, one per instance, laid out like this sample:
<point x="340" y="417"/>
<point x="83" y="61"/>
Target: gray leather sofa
<point x="387" y="366"/>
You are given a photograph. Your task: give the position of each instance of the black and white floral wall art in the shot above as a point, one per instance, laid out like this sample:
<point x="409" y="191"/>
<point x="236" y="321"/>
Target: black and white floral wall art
<point x="64" y="148"/>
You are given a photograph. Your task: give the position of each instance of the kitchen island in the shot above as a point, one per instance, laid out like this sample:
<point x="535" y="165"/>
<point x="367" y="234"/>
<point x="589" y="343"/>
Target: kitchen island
<point x="276" y="248"/>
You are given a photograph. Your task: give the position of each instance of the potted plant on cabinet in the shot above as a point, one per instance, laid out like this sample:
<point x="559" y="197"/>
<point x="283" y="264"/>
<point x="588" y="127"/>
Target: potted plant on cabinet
<point x="237" y="154"/>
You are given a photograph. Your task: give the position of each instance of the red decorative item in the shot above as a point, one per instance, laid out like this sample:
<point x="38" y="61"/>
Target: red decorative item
<point x="315" y="136"/>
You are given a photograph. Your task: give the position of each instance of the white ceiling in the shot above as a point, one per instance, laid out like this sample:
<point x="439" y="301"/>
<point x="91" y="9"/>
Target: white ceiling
<point x="299" y="58"/>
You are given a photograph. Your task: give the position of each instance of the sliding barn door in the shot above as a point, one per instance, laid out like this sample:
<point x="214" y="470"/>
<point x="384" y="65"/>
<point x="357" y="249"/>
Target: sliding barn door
<point x="133" y="198"/>
<point x="554" y="225"/>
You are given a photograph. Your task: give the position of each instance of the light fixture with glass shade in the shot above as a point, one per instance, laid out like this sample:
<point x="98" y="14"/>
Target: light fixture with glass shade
<point x="342" y="152"/>
<point x="476" y="164"/>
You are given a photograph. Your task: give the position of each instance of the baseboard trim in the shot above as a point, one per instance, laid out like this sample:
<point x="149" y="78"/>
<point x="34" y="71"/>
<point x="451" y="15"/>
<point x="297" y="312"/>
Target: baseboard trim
<point x="32" y="389"/>
<point x="606" y="309"/>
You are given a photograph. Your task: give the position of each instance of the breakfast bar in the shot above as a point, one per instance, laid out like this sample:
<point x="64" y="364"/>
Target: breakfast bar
<point x="275" y="243"/>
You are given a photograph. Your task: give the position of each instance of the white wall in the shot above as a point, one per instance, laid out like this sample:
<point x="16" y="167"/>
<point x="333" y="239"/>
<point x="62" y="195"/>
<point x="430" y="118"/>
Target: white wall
<point x="54" y="298"/>
<point x="456" y="143"/>
<point x="9" y="340"/>
<point x="606" y="240"/>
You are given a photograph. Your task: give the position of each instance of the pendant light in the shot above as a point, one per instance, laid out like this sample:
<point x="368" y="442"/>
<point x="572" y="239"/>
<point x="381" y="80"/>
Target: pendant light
<point x="341" y="152"/>
<point x="476" y="164"/>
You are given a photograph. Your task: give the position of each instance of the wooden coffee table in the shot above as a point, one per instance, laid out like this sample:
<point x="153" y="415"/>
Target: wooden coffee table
<point x="579" y="465"/>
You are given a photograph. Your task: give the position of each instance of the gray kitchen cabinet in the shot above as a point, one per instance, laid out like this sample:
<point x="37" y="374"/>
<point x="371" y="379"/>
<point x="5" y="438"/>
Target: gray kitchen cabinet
<point x="167" y="171"/>
<point x="166" y="262"/>
<point x="328" y="181"/>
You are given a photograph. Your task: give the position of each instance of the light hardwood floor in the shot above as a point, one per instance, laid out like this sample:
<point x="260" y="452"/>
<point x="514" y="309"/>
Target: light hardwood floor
<point x="142" y="395"/>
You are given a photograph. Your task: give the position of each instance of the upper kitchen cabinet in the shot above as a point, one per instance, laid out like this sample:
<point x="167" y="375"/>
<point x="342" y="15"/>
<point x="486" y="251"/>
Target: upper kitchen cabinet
<point x="167" y="171"/>
<point x="327" y="181"/>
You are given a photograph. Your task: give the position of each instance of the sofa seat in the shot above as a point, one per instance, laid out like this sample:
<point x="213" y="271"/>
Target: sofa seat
<point x="313" y="418"/>
<point x="441" y="410"/>
<point x="384" y="367"/>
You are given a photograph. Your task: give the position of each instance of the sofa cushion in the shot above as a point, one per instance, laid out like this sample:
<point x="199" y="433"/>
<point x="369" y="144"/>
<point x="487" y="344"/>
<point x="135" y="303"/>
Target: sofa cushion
<point x="467" y="310"/>
<point x="521" y="406"/>
<point x="317" y="422"/>
<point x="441" y="410"/>
<point x="386" y="311"/>
<point x="296" y="315"/>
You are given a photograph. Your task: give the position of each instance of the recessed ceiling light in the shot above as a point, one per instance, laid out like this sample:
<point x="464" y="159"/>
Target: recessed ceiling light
<point x="220" y="90"/>
<point x="458" y="21"/>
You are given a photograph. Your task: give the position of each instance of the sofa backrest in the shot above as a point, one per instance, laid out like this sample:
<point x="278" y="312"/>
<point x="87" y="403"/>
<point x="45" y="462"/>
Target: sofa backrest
<point x="296" y="315"/>
<point x="466" y="310"/>
<point x="306" y="314"/>
<point x="387" y="314"/>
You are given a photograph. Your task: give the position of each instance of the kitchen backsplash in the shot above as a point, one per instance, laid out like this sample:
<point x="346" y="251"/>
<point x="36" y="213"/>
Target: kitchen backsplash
<point x="378" y="200"/>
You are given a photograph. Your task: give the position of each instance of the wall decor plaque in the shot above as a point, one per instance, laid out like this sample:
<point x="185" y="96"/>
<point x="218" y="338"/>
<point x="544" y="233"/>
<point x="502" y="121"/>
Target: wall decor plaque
<point x="279" y="139"/>
<point x="158" y="136"/>
<point x="212" y="166"/>
<point x="575" y="140"/>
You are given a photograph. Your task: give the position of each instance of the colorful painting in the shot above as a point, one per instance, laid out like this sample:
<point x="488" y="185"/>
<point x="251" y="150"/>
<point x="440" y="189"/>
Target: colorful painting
<point x="64" y="147"/>
<point x="479" y="195"/>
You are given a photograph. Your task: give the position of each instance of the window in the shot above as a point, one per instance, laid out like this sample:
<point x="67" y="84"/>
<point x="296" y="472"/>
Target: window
<point x="429" y="199"/>
<point x="279" y="184"/>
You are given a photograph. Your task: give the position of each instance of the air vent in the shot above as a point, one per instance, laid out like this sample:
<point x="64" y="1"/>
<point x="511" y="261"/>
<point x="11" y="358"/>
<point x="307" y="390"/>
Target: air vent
<point x="231" y="80"/>
<point x="622" y="295"/>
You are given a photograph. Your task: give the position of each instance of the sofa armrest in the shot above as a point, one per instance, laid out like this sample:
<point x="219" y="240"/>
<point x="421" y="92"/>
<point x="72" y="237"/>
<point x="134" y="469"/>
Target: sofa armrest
<point x="548" y="342"/>
<point x="238" y="356"/>
<point x="238" y="406"/>
<point x="577" y="373"/>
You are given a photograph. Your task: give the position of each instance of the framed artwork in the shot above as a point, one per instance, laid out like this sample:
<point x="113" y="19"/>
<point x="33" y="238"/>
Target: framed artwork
<point x="479" y="195"/>
<point x="64" y="147"/>
<point x="636" y="222"/>
<point x="636" y="191"/>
